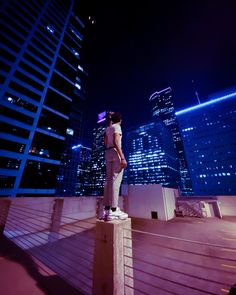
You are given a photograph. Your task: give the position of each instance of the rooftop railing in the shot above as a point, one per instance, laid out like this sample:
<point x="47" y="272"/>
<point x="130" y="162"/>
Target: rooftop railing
<point x="58" y="243"/>
<point x="63" y="237"/>
<point x="169" y="265"/>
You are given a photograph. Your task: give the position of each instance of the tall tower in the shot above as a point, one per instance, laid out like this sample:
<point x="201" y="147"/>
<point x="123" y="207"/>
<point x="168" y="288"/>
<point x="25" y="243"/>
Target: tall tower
<point x="98" y="166"/>
<point x="83" y="179"/>
<point x="152" y="157"/>
<point x="162" y="107"/>
<point x="41" y="94"/>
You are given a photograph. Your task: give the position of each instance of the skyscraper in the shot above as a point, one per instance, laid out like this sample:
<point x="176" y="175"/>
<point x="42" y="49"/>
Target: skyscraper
<point x="152" y="158"/>
<point x="162" y="107"/>
<point x="209" y="137"/>
<point x="41" y="94"/>
<point x="83" y="180"/>
<point x="98" y="166"/>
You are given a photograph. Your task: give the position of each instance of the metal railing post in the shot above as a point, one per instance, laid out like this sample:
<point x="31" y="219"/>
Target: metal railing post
<point x="56" y="220"/>
<point x="108" y="271"/>
<point x="4" y="209"/>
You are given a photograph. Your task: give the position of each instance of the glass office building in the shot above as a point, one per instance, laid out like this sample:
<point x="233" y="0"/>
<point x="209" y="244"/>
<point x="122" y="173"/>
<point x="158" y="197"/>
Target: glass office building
<point x="209" y="136"/>
<point x="41" y="96"/>
<point x="151" y="155"/>
<point x="162" y="107"/>
<point x="98" y="165"/>
<point x="83" y="178"/>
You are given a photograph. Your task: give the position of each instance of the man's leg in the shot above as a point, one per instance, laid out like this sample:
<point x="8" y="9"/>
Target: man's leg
<point x="116" y="181"/>
<point x="107" y="200"/>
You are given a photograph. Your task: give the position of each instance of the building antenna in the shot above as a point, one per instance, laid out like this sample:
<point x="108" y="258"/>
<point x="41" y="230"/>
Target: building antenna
<point x="195" y="91"/>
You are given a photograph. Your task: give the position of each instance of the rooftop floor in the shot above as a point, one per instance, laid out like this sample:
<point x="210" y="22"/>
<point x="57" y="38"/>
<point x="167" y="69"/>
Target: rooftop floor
<point x="19" y="274"/>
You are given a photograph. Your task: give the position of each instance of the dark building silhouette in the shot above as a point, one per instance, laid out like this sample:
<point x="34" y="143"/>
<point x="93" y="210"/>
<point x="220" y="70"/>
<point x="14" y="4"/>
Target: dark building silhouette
<point x="41" y="96"/>
<point x="152" y="158"/>
<point x="209" y="136"/>
<point x="162" y="107"/>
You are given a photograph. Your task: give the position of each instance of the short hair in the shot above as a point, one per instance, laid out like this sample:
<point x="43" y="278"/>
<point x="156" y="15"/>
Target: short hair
<point x="108" y="115"/>
<point x="116" y="117"/>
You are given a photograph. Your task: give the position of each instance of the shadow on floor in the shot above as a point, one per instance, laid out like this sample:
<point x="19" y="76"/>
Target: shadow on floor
<point x="50" y="285"/>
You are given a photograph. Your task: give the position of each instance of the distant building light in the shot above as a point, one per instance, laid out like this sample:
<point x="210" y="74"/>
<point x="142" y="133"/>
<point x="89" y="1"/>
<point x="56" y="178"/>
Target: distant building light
<point x="187" y="129"/>
<point x="76" y="146"/>
<point x="76" y="34"/>
<point x="101" y="117"/>
<point x="166" y="90"/>
<point x="69" y="131"/>
<point x="77" y="86"/>
<point x="49" y="128"/>
<point x="80" y="146"/>
<point x="206" y="103"/>
<point x="50" y="29"/>
<point x="102" y="120"/>
<point x="10" y="99"/>
<point x="80" y="68"/>
<point x="75" y="52"/>
<point x="92" y="20"/>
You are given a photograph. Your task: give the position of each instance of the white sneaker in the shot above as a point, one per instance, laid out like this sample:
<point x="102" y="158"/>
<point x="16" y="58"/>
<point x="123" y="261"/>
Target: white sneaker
<point x="111" y="216"/>
<point x="118" y="214"/>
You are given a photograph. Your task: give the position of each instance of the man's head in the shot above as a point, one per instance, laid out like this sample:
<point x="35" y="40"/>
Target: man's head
<point x="116" y="117"/>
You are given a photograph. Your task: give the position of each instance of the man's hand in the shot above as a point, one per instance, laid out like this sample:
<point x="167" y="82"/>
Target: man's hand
<point x="123" y="163"/>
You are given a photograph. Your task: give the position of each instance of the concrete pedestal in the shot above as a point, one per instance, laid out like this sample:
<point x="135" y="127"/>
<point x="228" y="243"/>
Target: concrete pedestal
<point x="109" y="257"/>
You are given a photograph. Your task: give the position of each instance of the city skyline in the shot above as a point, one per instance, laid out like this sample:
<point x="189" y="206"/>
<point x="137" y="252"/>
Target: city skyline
<point x="136" y="49"/>
<point x="44" y="94"/>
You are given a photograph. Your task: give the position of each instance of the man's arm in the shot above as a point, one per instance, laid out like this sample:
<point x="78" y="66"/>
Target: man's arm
<point x="116" y="141"/>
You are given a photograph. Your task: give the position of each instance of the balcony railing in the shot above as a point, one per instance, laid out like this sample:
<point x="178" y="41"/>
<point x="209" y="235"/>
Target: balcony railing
<point x="63" y="237"/>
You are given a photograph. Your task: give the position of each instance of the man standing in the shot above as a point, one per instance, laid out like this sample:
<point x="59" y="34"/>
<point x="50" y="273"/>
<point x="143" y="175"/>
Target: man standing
<point x="115" y="164"/>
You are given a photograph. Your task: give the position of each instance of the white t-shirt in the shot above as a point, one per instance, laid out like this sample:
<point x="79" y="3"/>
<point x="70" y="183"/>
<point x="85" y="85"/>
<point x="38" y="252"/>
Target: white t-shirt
<point x="114" y="128"/>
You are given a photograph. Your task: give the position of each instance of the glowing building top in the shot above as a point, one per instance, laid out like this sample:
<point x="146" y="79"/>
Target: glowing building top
<point x="207" y="103"/>
<point x="162" y="105"/>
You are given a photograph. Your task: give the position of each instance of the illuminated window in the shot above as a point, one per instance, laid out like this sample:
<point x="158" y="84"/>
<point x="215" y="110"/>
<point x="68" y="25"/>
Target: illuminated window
<point x="77" y="86"/>
<point x="80" y="68"/>
<point x="69" y="131"/>
<point x="77" y="34"/>
<point x="20" y="103"/>
<point x="50" y="29"/>
<point x="76" y="53"/>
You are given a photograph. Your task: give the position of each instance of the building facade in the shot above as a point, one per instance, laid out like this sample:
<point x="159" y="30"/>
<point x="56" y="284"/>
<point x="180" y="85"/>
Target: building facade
<point x="151" y="156"/>
<point x="98" y="165"/>
<point x="41" y="94"/>
<point x="209" y="136"/>
<point x="162" y="107"/>
<point x="83" y="179"/>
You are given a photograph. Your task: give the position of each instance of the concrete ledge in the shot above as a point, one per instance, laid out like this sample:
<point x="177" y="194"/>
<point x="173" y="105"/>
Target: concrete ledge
<point x="109" y="257"/>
